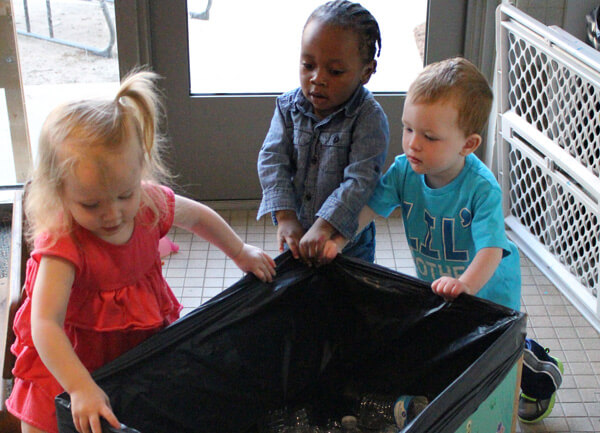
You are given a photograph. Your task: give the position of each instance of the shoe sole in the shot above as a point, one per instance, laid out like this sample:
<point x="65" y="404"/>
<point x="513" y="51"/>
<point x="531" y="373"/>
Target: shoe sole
<point x="548" y="411"/>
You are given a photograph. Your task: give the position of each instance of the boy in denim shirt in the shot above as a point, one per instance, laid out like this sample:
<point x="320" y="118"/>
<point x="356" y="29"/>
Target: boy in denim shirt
<point x="328" y="139"/>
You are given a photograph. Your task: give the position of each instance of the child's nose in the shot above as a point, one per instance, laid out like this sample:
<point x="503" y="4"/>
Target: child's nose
<point x="111" y="213"/>
<point x="318" y="78"/>
<point x="414" y="142"/>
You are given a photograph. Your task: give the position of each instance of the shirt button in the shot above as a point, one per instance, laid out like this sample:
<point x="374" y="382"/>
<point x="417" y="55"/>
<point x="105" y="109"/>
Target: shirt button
<point x="336" y="138"/>
<point x="308" y="197"/>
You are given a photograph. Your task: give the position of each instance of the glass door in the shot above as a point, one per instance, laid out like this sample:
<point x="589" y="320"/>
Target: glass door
<point x="255" y="45"/>
<point x="224" y="62"/>
<point x="66" y="50"/>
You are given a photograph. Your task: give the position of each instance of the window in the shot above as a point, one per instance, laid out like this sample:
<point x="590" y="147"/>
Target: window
<point x="66" y="50"/>
<point x="249" y="47"/>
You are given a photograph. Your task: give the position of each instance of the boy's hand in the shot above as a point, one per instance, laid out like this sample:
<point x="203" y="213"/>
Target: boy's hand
<point x="289" y="231"/>
<point x="449" y="288"/>
<point x="313" y="242"/>
<point x="332" y="248"/>
<point x="87" y="406"/>
<point x="330" y="251"/>
<point x="255" y="260"/>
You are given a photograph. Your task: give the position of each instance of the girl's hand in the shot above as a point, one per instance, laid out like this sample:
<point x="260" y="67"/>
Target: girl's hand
<point x="255" y="260"/>
<point x="88" y="404"/>
<point x="449" y="288"/>
<point x="289" y="231"/>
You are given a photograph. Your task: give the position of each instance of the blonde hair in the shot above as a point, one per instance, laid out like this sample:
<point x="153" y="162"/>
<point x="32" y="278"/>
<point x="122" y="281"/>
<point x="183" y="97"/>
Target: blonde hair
<point x="77" y="128"/>
<point x="458" y="81"/>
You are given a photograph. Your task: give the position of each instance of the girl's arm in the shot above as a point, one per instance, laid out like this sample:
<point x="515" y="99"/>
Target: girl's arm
<point x="49" y="306"/>
<point x="206" y="223"/>
<point x="476" y="275"/>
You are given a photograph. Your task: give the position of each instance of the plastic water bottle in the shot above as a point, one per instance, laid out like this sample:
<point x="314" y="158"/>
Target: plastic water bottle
<point x="275" y="421"/>
<point x="299" y="423"/>
<point x="350" y="424"/>
<point x="408" y="407"/>
<point x="381" y="413"/>
<point x="375" y="412"/>
<point x="332" y="426"/>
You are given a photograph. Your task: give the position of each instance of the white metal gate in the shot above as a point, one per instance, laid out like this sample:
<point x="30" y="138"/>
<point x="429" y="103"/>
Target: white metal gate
<point x="548" y="139"/>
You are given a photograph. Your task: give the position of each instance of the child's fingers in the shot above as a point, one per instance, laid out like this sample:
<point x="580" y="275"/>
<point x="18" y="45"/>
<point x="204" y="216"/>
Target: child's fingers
<point x="304" y="251"/>
<point x="294" y="248"/>
<point x="328" y="253"/>
<point x="317" y="249"/>
<point x="311" y="251"/>
<point x="331" y="251"/>
<point x="260" y="264"/>
<point x="271" y="262"/>
<point x="292" y="244"/>
<point x="268" y="264"/>
<point x="109" y="415"/>
<point x="78" y="425"/>
<point x="83" y="424"/>
<point x="267" y="271"/>
<point x="264" y="275"/>
<point x="448" y="288"/>
<point x="95" y="425"/>
<point x="440" y="287"/>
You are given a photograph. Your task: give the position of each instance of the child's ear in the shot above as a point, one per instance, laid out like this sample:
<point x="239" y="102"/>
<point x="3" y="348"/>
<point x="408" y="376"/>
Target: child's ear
<point x="368" y="70"/>
<point x="471" y="144"/>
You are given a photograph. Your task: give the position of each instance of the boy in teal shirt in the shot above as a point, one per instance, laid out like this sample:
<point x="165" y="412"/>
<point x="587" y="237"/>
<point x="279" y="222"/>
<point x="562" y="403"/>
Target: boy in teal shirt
<point x="452" y="209"/>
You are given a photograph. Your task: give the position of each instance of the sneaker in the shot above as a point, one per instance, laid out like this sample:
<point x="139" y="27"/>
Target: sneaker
<point x="532" y="410"/>
<point x="542" y="373"/>
<point x="542" y="376"/>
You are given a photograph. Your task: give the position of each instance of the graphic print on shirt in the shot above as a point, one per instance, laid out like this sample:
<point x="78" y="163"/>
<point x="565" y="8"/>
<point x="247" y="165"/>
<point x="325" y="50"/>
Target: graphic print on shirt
<point x="436" y="252"/>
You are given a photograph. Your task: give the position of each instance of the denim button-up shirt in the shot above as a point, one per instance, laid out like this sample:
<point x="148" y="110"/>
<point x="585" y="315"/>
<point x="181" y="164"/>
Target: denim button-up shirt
<point x="324" y="168"/>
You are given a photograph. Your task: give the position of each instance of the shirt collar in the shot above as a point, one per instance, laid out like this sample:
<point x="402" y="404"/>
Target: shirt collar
<point x="350" y="107"/>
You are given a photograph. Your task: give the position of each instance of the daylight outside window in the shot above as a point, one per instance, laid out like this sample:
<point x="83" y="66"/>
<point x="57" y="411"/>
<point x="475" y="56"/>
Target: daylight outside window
<point x="253" y="47"/>
<point x="67" y="50"/>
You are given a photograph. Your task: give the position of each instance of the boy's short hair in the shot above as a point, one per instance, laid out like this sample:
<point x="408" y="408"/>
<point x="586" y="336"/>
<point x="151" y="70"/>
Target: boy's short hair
<point x="458" y="80"/>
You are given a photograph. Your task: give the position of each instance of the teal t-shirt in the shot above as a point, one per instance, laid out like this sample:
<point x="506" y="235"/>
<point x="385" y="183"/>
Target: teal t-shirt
<point x="445" y="227"/>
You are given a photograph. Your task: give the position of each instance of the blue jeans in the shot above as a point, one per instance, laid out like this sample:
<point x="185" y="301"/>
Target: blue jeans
<point x="363" y="245"/>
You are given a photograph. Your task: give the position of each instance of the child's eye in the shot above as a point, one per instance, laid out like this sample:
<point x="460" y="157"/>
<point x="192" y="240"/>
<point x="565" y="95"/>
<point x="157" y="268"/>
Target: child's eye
<point x="307" y="66"/>
<point x="89" y="205"/>
<point x="430" y="138"/>
<point x="336" y="72"/>
<point x="126" y="196"/>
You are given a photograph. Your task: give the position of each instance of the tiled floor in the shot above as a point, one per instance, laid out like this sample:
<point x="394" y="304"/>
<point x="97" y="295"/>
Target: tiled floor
<point x="199" y="271"/>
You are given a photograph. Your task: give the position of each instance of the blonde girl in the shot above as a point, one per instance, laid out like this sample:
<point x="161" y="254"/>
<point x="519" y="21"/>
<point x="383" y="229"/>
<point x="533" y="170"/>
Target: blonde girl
<point x="94" y="285"/>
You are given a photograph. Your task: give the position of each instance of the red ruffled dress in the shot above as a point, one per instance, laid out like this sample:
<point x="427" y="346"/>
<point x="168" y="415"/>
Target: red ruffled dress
<point x="119" y="298"/>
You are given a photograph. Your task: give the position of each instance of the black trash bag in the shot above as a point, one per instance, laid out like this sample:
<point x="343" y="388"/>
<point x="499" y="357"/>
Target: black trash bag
<point x="305" y="338"/>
